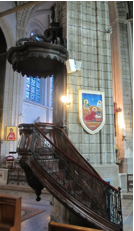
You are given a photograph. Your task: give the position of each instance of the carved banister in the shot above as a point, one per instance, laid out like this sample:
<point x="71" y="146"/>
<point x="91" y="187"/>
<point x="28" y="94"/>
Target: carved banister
<point x="75" y="185"/>
<point x="82" y="167"/>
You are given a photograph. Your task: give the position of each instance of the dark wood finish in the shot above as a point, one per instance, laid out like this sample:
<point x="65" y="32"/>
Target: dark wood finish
<point x="49" y="57"/>
<point x="59" y="89"/>
<point x="55" y="135"/>
<point x="40" y="58"/>
<point x="61" y="144"/>
<point x="16" y="176"/>
<point x="10" y="213"/>
<point x="61" y="195"/>
<point x="55" y="226"/>
<point x="61" y="140"/>
<point x="32" y="179"/>
<point x="10" y="161"/>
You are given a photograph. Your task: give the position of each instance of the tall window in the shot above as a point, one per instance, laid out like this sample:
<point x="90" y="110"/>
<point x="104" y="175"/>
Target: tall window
<point x="51" y="92"/>
<point x="33" y="89"/>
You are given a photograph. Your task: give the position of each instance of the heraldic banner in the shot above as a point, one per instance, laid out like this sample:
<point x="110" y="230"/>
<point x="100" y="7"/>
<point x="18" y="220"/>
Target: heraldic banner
<point x="92" y="110"/>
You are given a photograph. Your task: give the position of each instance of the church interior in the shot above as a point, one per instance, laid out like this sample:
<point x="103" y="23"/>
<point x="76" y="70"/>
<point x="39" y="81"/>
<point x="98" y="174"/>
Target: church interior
<point x="66" y="115"/>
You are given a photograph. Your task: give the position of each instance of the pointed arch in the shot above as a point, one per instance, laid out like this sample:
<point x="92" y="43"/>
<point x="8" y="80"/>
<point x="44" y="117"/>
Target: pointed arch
<point x="3" y="44"/>
<point x="10" y="41"/>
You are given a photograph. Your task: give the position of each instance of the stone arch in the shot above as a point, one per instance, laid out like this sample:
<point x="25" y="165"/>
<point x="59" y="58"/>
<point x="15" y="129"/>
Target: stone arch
<point x="34" y="25"/>
<point x="3" y="44"/>
<point x="3" y="48"/>
<point x="26" y="19"/>
<point x="8" y="90"/>
<point x="24" y="16"/>
<point x="7" y="33"/>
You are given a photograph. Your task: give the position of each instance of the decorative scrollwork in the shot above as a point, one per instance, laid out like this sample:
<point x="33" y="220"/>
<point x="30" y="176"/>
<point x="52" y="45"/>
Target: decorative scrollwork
<point x="51" y="35"/>
<point x="35" y="38"/>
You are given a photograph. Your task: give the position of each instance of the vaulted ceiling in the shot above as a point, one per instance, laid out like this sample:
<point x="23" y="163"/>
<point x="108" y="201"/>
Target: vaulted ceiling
<point x="32" y="14"/>
<point x="36" y="15"/>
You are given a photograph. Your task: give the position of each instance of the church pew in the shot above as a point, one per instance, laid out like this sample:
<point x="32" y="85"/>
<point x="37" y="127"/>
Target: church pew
<point x="10" y="213"/>
<point x="55" y="226"/>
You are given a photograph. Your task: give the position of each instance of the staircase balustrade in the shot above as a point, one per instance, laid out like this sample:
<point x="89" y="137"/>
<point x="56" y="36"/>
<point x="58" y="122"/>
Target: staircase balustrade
<point x="79" y="182"/>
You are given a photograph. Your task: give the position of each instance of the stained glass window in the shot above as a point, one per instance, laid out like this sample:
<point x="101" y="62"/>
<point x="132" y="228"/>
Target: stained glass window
<point x="33" y="89"/>
<point x="51" y="92"/>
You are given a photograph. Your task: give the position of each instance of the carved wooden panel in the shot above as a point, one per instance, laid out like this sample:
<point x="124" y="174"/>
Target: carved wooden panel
<point x="17" y="177"/>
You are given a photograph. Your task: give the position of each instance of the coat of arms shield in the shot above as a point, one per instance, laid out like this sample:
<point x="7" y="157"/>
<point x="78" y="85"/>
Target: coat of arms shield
<point x="92" y="110"/>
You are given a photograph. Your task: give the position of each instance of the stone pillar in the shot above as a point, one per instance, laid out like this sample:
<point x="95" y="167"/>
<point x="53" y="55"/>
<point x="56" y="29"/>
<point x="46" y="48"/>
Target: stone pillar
<point x="88" y="41"/>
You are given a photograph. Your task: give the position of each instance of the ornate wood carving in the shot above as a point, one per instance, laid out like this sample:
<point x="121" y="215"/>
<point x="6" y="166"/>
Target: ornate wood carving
<point x="37" y="59"/>
<point x="40" y="55"/>
<point x="65" y="174"/>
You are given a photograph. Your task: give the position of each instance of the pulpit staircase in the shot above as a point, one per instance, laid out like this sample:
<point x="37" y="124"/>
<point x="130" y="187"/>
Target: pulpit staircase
<point x="50" y="160"/>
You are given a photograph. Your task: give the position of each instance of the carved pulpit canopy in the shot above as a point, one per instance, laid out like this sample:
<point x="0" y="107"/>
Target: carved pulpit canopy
<point x="37" y="59"/>
<point x="39" y="55"/>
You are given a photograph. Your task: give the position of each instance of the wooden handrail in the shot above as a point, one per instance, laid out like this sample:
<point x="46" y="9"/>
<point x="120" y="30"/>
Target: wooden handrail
<point x="58" y="149"/>
<point x="72" y="160"/>
<point x="66" y="199"/>
<point x="55" y="226"/>
<point x="88" y="213"/>
<point x="73" y="150"/>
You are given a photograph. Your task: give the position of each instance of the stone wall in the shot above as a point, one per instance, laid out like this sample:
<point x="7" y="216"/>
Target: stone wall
<point x="9" y="20"/>
<point x="126" y="77"/>
<point x="87" y="41"/>
<point x="12" y="86"/>
<point x="126" y="57"/>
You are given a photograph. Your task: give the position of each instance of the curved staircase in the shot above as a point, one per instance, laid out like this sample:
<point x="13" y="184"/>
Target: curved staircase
<point x="50" y="160"/>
